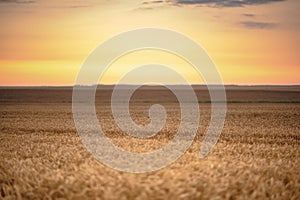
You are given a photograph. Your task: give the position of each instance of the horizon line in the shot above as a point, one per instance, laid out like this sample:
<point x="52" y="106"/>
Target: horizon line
<point x="150" y="85"/>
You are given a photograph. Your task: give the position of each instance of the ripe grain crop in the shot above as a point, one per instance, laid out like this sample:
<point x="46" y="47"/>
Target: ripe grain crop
<point x="257" y="156"/>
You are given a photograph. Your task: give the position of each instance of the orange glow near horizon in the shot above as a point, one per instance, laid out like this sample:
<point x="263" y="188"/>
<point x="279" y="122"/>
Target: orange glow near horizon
<point x="45" y="43"/>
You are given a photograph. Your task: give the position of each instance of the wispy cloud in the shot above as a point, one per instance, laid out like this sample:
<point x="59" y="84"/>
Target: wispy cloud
<point x="63" y="4"/>
<point x="259" y="25"/>
<point x="224" y="3"/>
<point x="149" y="5"/>
<point x="72" y="6"/>
<point x="18" y="1"/>
<point x="248" y="15"/>
<point x="152" y="2"/>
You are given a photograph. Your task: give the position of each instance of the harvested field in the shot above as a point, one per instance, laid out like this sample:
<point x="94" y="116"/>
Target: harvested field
<point x="257" y="156"/>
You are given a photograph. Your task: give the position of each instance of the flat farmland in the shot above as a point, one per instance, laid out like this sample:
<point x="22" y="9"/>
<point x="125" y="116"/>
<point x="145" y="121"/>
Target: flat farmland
<point x="256" y="157"/>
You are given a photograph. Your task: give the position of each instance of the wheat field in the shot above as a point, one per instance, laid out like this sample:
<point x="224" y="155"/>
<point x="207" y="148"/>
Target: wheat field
<point x="256" y="157"/>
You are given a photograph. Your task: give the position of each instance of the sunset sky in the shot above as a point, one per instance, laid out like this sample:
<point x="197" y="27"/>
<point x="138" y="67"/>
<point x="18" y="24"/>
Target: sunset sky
<point x="251" y="42"/>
